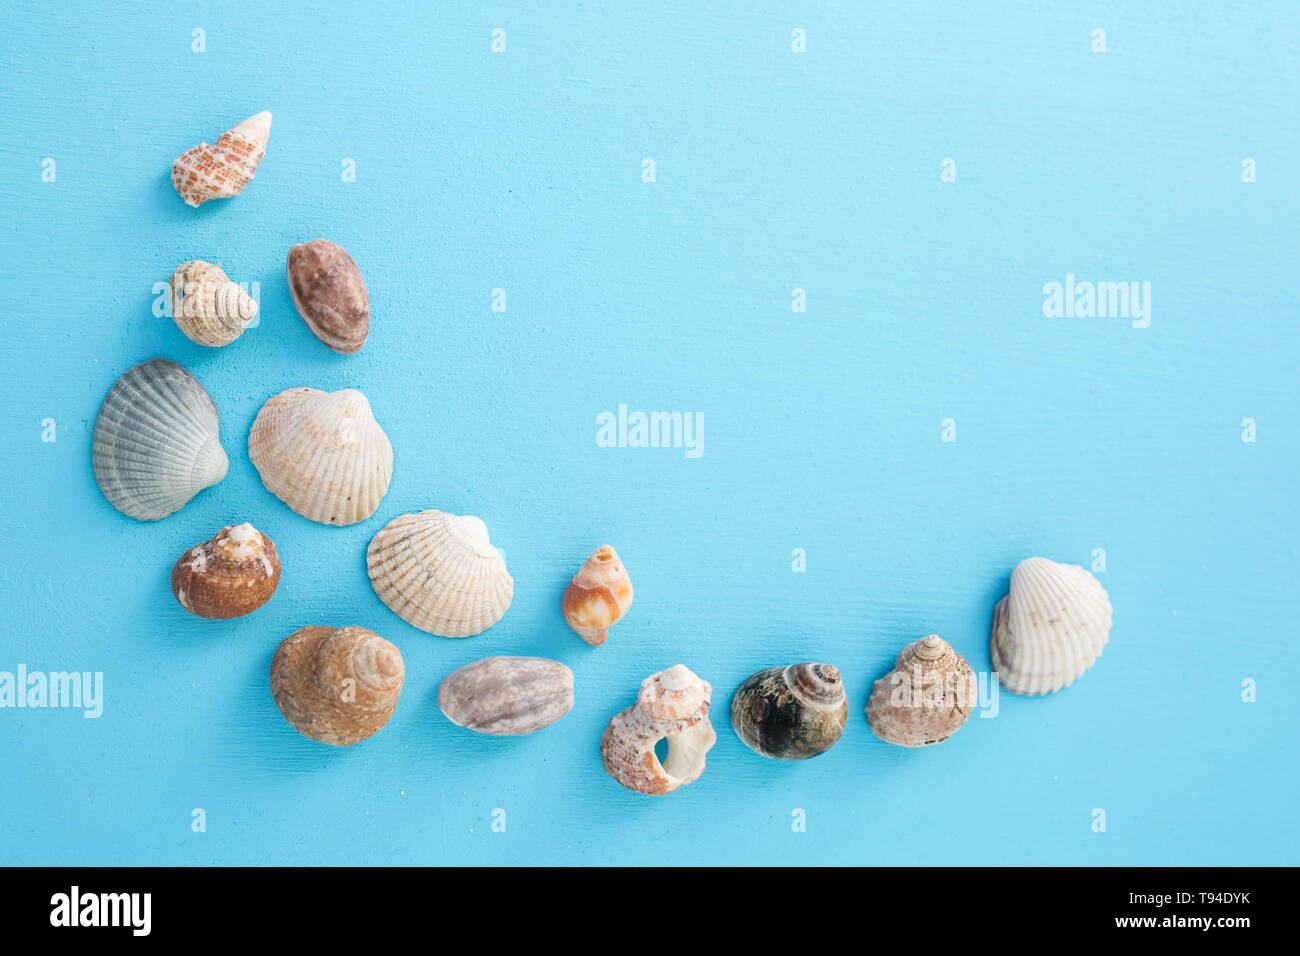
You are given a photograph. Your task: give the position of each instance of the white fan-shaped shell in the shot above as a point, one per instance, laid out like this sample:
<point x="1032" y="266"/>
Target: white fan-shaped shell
<point x="157" y="443"/>
<point x="1050" y="628"/>
<point x="439" y="572"/>
<point x="322" y="453"/>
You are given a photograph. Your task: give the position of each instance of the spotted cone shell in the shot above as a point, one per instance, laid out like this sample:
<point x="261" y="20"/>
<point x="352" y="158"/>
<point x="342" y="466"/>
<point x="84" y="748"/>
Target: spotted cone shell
<point x="338" y="685"/>
<point x="156" y="443"/>
<point x="322" y="453"/>
<point x="223" y="169"/>
<point x="439" y="572"/>
<point x="1050" y="628"/>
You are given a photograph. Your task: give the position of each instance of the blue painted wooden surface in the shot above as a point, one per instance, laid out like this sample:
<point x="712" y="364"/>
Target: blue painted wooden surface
<point x="776" y="170"/>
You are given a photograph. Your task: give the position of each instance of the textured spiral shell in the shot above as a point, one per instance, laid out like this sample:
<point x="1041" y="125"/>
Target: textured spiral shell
<point x="791" y="713"/>
<point x="209" y="308"/>
<point x="336" y="685"/>
<point x="672" y="704"/>
<point x="1050" y="628"/>
<point x="926" y="698"/>
<point x="439" y="572"/>
<point x="322" y="453"/>
<point x="233" y="573"/>
<point x="157" y="442"/>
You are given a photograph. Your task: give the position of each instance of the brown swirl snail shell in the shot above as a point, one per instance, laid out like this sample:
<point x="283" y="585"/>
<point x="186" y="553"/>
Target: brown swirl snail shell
<point x="233" y="573"/>
<point x="338" y="685"/>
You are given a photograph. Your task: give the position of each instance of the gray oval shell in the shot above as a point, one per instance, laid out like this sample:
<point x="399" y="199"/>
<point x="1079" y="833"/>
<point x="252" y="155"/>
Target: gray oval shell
<point x="156" y="443"/>
<point x="507" y="696"/>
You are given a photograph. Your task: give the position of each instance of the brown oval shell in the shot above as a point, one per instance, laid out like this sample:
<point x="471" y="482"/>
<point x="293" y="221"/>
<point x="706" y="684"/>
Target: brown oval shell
<point x="330" y="294"/>
<point x="338" y="685"/>
<point x="232" y="574"/>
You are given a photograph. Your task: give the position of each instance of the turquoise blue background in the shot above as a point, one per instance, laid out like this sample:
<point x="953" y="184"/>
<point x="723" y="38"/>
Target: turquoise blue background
<point x="776" y="171"/>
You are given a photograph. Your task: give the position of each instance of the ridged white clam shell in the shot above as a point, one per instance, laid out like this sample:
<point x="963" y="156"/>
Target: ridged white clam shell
<point x="439" y="572"/>
<point x="1050" y="628"/>
<point x="156" y="443"/>
<point x="322" y="453"/>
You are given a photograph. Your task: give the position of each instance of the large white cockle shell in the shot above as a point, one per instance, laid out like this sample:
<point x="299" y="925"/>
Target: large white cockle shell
<point x="1050" y="628"/>
<point x="439" y="572"/>
<point x="156" y="443"/>
<point x="322" y="453"/>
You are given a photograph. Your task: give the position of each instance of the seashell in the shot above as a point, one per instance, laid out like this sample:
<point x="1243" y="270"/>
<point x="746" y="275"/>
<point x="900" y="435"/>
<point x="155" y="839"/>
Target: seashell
<point x="223" y="169"/>
<point x="157" y="443"/>
<point x="322" y="453"/>
<point x="209" y="308"/>
<point x="231" y="575"/>
<point x="1050" y="628"/>
<point x="672" y="704"/>
<point x="598" y="596"/>
<point x="338" y="685"/>
<point x="330" y="294"/>
<point x="791" y="713"/>
<point x="439" y="572"/>
<point x="507" y="696"/>
<point x="926" y="698"/>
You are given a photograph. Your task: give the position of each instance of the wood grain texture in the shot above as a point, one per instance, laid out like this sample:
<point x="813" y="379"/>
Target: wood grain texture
<point x="775" y="171"/>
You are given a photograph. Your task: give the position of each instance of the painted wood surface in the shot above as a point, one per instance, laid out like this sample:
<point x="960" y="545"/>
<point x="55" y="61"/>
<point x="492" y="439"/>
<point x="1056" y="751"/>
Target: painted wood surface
<point x="775" y="171"/>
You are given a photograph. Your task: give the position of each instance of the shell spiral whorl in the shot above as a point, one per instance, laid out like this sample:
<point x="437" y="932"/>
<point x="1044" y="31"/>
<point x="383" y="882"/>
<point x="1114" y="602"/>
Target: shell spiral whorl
<point x="672" y="704"/>
<point x="232" y="574"/>
<point x="336" y="685"/>
<point x="927" y="696"/>
<point x="791" y="713"/>
<point x="816" y="684"/>
<point x="598" y="596"/>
